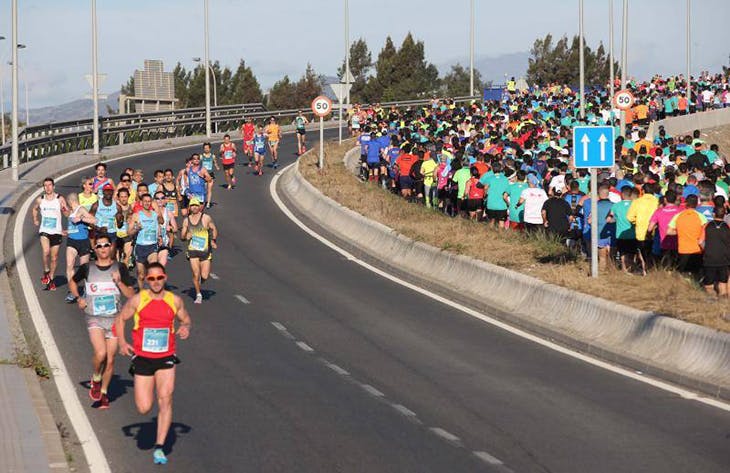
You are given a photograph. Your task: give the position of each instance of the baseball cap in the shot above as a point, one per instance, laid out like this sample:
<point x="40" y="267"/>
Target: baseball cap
<point x="107" y="186"/>
<point x="194" y="201"/>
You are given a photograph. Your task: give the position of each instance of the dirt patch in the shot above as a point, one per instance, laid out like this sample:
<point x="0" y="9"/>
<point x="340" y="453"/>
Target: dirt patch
<point x="719" y="136"/>
<point x="663" y="292"/>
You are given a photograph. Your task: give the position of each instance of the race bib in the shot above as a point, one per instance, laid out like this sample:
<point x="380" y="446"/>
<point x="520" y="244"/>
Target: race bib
<point x="49" y="222"/>
<point x="155" y="340"/>
<point x="198" y="243"/>
<point x="104" y="305"/>
<point x="149" y="234"/>
<point x="228" y="154"/>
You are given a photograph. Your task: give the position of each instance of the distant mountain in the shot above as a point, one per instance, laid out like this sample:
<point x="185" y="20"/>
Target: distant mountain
<point x="494" y="68"/>
<point x="75" y="110"/>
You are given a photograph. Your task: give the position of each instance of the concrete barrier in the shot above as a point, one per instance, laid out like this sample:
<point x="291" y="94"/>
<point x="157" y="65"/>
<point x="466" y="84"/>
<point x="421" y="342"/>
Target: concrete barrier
<point x="688" y="123"/>
<point x="688" y="354"/>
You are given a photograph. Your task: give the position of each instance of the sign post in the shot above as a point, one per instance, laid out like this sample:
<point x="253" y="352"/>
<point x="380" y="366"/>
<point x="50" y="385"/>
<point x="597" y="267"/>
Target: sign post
<point x="321" y="106"/>
<point x="593" y="149"/>
<point x="341" y="90"/>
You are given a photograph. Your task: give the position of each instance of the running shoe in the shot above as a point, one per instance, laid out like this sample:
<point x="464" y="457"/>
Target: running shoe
<point x="276" y="166"/>
<point x="70" y="298"/>
<point x="230" y="187"/>
<point x="198" y="298"/>
<point x="95" y="390"/>
<point x="51" y="286"/>
<point x="103" y="402"/>
<point x="46" y="279"/>
<point x="159" y="457"/>
<point x="207" y="205"/>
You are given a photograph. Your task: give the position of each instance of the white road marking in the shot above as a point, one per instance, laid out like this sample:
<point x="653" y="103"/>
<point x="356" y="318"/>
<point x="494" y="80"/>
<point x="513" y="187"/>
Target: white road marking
<point x="305" y="347"/>
<point x="336" y="368"/>
<point x="279" y="326"/>
<point x="372" y="390"/>
<point x="490" y="320"/>
<point x="403" y="410"/>
<point x="242" y="299"/>
<point x="445" y="434"/>
<point x="214" y="276"/>
<point x="486" y="457"/>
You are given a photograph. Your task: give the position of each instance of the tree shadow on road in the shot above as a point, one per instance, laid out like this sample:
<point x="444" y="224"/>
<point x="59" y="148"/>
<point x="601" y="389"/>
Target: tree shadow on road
<point x="145" y="432"/>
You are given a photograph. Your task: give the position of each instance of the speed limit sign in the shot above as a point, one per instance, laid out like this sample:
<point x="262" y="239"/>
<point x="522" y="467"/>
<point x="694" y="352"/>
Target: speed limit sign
<point x="623" y="100"/>
<point x="322" y="106"/>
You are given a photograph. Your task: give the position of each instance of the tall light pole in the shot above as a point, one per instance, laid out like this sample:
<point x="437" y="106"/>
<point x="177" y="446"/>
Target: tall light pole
<point x="581" y="60"/>
<point x="624" y="58"/>
<point x="471" y="51"/>
<point x="2" y="106"/>
<point x="94" y="77"/>
<point x="206" y="58"/>
<point x="347" y="49"/>
<point x="14" y="93"/>
<point x="610" y="52"/>
<point x="209" y="69"/>
<point x="689" y="59"/>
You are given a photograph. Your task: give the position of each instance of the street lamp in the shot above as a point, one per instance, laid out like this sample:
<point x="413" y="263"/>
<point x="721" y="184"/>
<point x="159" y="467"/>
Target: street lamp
<point x="14" y="114"/>
<point x="207" y="94"/>
<point x="94" y="77"/>
<point x="208" y="127"/>
<point x="25" y="85"/>
<point x="2" y="106"/>
<point x="689" y="57"/>
<point x="471" y="51"/>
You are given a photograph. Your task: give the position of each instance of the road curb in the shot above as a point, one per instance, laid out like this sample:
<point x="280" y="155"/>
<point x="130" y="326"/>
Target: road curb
<point x="681" y="352"/>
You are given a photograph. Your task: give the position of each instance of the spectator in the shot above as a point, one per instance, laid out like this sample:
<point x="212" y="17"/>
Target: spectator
<point x="495" y="185"/>
<point x="557" y="215"/>
<point x="660" y="220"/>
<point x="639" y="214"/>
<point x="688" y="225"/>
<point x="533" y="199"/>
<point x="626" y="243"/>
<point x="715" y="241"/>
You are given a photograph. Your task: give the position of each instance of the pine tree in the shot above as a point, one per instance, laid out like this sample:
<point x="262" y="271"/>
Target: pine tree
<point x="385" y="73"/>
<point x="283" y="95"/>
<point x="361" y="61"/>
<point x="308" y="87"/>
<point x="456" y="83"/>
<point x="182" y="83"/>
<point x="414" y="76"/>
<point x="245" y="87"/>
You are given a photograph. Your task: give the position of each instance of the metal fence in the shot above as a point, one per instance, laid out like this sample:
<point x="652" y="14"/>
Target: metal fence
<point x="37" y="142"/>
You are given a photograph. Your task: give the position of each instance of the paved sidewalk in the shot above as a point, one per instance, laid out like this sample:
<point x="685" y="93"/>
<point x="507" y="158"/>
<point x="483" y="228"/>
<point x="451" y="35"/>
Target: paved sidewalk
<point x="30" y="440"/>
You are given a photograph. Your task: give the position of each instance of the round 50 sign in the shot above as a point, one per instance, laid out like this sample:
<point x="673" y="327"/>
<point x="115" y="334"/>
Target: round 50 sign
<point x="623" y="99"/>
<point x="322" y="106"/>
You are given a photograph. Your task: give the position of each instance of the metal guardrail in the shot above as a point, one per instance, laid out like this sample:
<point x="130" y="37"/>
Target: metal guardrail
<point x="40" y="141"/>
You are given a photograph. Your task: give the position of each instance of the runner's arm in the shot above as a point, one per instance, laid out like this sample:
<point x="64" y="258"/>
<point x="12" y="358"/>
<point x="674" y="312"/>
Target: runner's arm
<point x="73" y="283"/>
<point x="36" y="216"/>
<point x="124" y="281"/>
<point x="184" y="231"/>
<point x="214" y="232"/>
<point x="183" y="316"/>
<point x="172" y="220"/>
<point x="125" y="314"/>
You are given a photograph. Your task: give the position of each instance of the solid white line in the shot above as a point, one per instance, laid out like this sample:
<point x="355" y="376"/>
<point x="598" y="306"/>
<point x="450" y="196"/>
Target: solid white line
<point x="403" y="410"/>
<point x="305" y="347"/>
<point x="242" y="299"/>
<point x="336" y="368"/>
<point x="214" y="276"/>
<point x="485" y="318"/>
<point x="279" y="326"/>
<point x="372" y="390"/>
<point x="492" y="460"/>
<point x="445" y="434"/>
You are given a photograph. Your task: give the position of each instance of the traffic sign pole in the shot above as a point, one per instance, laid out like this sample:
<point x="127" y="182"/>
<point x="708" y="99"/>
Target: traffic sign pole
<point x="321" y="142"/>
<point x="594" y="223"/>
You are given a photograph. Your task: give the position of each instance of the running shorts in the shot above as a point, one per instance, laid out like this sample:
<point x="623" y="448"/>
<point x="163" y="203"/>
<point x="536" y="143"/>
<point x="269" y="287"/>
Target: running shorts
<point x="143" y="366"/>
<point x="54" y="239"/>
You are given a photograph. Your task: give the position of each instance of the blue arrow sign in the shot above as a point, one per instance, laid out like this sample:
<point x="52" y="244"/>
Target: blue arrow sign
<point x="593" y="146"/>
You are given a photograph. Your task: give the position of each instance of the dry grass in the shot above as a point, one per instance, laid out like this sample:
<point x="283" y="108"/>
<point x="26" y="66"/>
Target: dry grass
<point x="663" y="292"/>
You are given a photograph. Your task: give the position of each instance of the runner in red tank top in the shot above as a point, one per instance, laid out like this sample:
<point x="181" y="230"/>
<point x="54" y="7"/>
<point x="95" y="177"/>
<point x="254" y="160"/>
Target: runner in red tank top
<point x="153" y="338"/>
<point x="228" y="159"/>
<point x="474" y="195"/>
<point x="247" y="131"/>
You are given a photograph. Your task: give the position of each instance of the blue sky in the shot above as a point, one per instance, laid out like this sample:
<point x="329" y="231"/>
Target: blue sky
<point x="281" y="39"/>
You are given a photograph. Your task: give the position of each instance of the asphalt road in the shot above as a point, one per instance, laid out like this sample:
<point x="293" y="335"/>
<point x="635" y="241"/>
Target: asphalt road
<point x="331" y="368"/>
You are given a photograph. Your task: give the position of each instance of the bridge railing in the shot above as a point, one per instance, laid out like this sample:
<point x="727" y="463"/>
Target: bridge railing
<point x="40" y="141"/>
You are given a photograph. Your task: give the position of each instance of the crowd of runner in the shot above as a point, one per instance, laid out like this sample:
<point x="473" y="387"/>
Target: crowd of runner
<point x="508" y="163"/>
<point x="116" y="229"/>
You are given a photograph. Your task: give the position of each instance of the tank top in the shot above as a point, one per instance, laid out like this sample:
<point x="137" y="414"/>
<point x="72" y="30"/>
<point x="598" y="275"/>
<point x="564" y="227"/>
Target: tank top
<point x="153" y="334"/>
<point x="165" y="224"/>
<point x="99" y="185"/>
<point x="123" y="231"/>
<point x="228" y="153"/>
<point x="150" y="230"/>
<point x="248" y="131"/>
<point x="207" y="161"/>
<point x="76" y="231"/>
<point x="106" y="216"/>
<point x="259" y="144"/>
<point x="101" y="292"/>
<point x="273" y="132"/>
<point x="300" y="122"/>
<point x="474" y="191"/>
<point x="171" y="197"/>
<point x="199" y="236"/>
<point x="87" y="202"/>
<point x="50" y="215"/>
<point x="196" y="184"/>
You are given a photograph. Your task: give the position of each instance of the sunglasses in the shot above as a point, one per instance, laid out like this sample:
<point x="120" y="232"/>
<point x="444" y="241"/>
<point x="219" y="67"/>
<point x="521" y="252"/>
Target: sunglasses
<point x="156" y="278"/>
<point x="103" y="245"/>
<point x="126" y="180"/>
